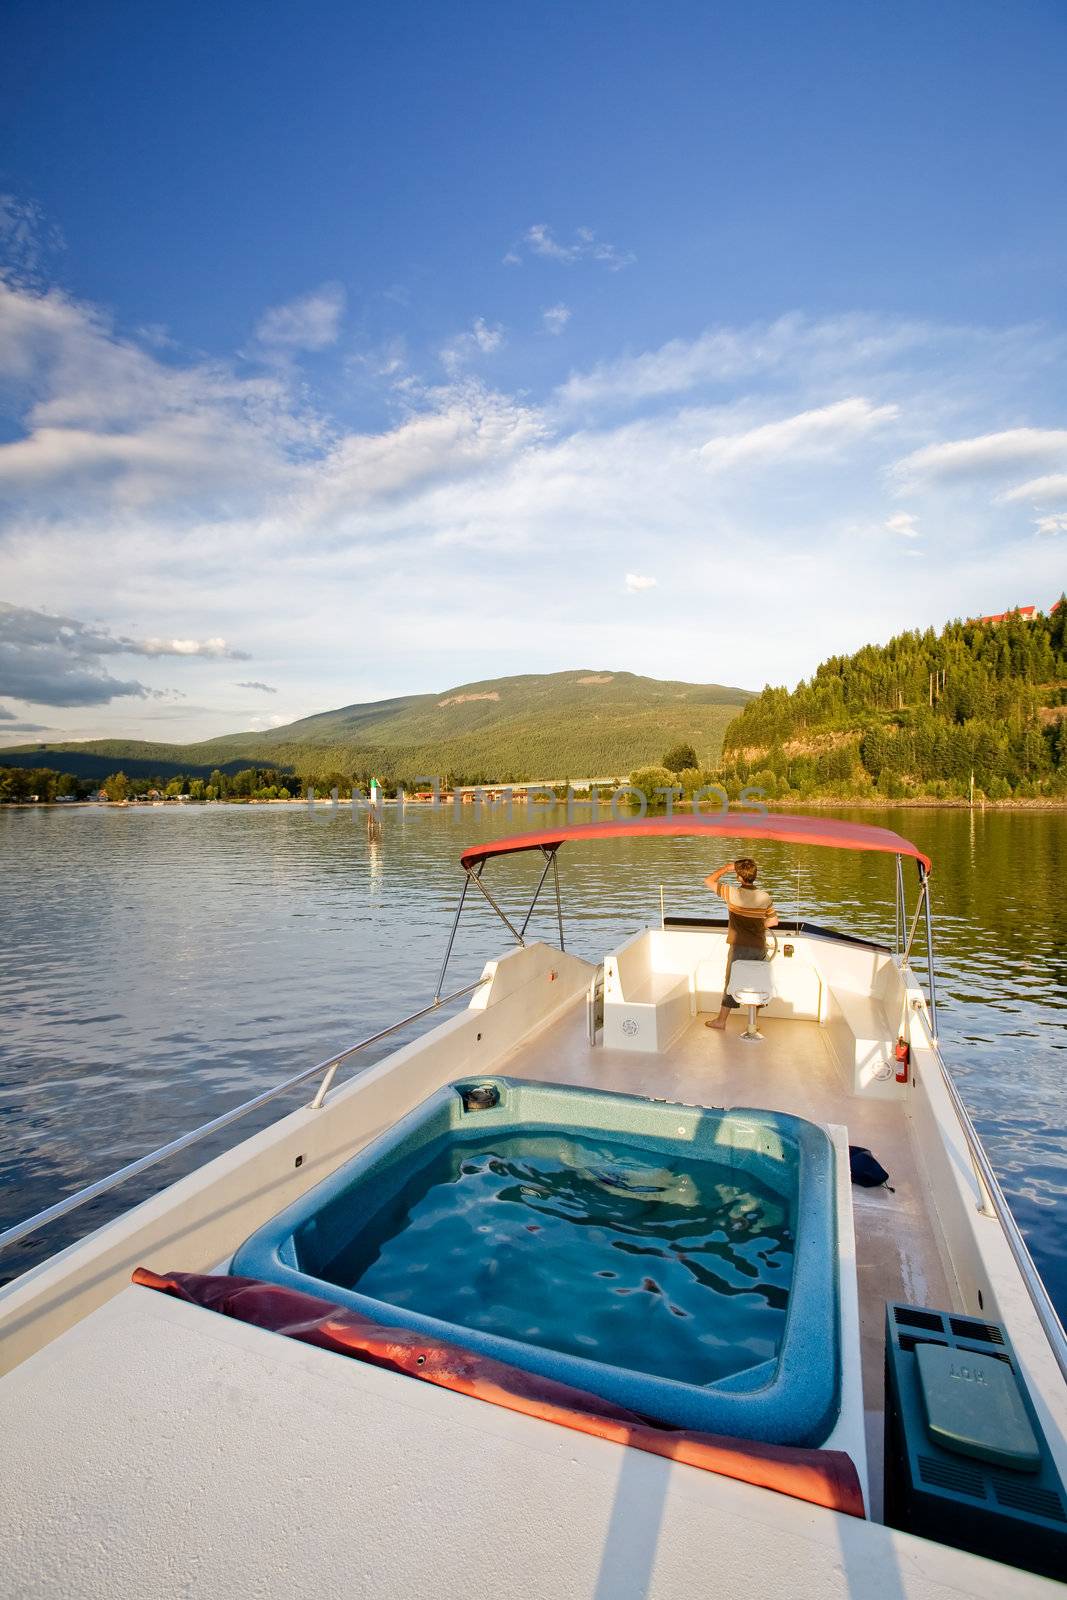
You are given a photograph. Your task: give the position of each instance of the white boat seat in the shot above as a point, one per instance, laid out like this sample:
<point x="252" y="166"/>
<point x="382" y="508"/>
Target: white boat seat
<point x="751" y="983"/>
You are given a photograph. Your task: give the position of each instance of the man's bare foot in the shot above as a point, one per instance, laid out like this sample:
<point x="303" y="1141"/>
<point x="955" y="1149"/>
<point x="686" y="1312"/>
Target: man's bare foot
<point x="720" y="1027"/>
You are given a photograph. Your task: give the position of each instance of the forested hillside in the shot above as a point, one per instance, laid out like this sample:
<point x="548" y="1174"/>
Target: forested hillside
<point x="918" y="716"/>
<point x="559" y="725"/>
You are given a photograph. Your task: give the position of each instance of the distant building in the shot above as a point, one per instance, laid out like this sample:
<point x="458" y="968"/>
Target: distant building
<point x="1025" y="613"/>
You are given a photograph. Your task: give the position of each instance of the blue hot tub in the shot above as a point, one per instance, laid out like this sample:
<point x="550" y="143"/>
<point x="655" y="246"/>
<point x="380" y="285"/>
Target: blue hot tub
<point x="678" y="1261"/>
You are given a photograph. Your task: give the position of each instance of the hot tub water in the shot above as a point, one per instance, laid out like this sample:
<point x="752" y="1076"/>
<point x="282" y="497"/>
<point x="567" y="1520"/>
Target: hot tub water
<point x="599" y="1249"/>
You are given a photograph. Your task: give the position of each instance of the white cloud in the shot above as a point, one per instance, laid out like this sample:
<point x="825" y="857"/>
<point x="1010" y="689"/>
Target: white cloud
<point x="27" y="238"/>
<point x="810" y="433"/>
<point x="905" y="523"/>
<point x="107" y="420"/>
<point x="190" y="503"/>
<point x="556" y="318"/>
<point x="215" y="649"/>
<point x="635" y="583"/>
<point x="311" y="322"/>
<point x="987" y="455"/>
<point x="479" y="339"/>
<point x="1040" y="490"/>
<point x="829" y="351"/>
<point x="585" y="246"/>
<point x="56" y="660"/>
<point x="1053" y="524"/>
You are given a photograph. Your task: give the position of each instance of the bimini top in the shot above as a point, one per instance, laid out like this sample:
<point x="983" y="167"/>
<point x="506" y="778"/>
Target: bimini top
<point x="734" y="825"/>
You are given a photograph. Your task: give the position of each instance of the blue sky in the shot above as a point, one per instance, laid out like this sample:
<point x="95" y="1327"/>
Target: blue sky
<point x="348" y="351"/>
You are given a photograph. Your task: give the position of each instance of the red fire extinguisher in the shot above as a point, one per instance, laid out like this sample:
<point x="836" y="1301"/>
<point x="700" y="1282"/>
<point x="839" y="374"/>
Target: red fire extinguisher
<point x="902" y="1054"/>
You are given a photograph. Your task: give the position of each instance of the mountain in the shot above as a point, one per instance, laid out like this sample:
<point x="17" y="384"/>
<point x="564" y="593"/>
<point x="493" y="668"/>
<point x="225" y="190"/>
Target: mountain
<point x="919" y="716"/>
<point x="552" y="726"/>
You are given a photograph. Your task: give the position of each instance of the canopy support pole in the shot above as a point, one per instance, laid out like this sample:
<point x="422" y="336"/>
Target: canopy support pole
<point x="452" y="937"/>
<point x="559" y="902"/>
<point x="476" y="879"/>
<point x="898" y="931"/>
<point x="930" y="952"/>
<point x="537" y="891"/>
<point x="915" y="919"/>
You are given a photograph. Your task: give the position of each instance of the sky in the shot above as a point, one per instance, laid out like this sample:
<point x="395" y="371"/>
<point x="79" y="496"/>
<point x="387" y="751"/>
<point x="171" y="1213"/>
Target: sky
<point x="351" y="350"/>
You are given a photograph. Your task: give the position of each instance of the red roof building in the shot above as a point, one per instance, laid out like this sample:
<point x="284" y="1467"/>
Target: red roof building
<point x="1027" y="613"/>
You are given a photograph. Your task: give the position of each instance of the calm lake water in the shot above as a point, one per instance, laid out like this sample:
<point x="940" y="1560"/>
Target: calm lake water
<point x="160" y="965"/>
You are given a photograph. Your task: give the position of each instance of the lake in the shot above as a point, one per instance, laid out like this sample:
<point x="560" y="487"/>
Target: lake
<point x="158" y="965"/>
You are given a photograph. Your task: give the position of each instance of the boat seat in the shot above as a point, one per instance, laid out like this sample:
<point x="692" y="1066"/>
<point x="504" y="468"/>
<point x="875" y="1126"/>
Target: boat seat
<point x="861" y="1034"/>
<point x="751" y="985"/>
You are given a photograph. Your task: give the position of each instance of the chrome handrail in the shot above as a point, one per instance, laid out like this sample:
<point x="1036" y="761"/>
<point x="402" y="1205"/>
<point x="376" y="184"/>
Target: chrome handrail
<point x="987" y="1178"/>
<point x="328" y="1067"/>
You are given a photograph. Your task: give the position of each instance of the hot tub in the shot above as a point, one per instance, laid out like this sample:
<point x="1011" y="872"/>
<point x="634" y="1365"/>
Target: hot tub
<point x="678" y="1261"/>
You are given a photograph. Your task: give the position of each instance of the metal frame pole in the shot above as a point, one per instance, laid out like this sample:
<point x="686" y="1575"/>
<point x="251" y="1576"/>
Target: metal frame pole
<point x="898" y="932"/>
<point x="915" y="919"/>
<point x="451" y="940"/>
<point x="930" y="954"/>
<point x="537" y="891"/>
<point x="559" y="902"/>
<point x="475" y="878"/>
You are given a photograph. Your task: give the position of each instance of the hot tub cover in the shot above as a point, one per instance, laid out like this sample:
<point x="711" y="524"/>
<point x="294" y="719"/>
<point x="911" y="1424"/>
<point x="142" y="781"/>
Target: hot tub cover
<point x="823" y="1477"/>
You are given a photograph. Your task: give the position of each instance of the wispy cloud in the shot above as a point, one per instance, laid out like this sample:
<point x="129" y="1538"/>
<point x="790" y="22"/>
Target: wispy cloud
<point x="636" y="583"/>
<point x="12" y="724"/>
<point x="1041" y="491"/>
<point x="214" y="649"/>
<point x="310" y="322"/>
<point x="1054" y="524"/>
<point x="556" y="318"/>
<point x="829" y="351"/>
<point x="264" y="688"/>
<point x="27" y="238"/>
<point x="985" y="456"/>
<point x="584" y="246"/>
<point x="478" y="339"/>
<point x="809" y="433"/>
<point x="192" y="503"/>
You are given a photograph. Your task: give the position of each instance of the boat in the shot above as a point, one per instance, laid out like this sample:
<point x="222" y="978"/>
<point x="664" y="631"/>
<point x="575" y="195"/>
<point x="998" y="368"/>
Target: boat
<point x="567" y="1295"/>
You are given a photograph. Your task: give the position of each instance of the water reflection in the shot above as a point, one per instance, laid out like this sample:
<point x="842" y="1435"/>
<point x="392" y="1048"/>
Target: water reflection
<point x="156" y="966"/>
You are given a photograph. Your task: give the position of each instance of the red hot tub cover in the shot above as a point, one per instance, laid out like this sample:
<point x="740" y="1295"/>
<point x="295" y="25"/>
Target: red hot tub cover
<point x="823" y="1477"/>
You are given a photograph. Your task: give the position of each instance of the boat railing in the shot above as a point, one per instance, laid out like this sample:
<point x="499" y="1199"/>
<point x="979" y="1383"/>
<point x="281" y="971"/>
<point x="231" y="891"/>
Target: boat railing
<point x="328" y="1069"/>
<point x="993" y="1204"/>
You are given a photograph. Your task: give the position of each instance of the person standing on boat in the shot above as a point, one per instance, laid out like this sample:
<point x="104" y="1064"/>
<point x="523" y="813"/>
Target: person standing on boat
<point x="751" y="914"/>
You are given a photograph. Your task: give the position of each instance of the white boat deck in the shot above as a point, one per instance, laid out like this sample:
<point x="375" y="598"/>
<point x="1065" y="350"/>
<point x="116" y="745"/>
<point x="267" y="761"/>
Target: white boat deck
<point x="899" y="1257"/>
<point x="159" y="1451"/>
<point x="155" y="1449"/>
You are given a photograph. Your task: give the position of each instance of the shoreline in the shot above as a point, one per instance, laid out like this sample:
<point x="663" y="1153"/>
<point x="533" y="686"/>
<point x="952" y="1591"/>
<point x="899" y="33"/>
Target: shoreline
<point x="822" y="803"/>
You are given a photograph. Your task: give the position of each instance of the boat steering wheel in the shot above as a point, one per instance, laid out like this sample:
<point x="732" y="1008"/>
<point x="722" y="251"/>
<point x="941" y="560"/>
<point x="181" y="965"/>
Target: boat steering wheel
<point x="774" y="937"/>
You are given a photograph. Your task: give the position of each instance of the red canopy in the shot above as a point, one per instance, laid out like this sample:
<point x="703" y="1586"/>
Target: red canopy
<point x="735" y="825"/>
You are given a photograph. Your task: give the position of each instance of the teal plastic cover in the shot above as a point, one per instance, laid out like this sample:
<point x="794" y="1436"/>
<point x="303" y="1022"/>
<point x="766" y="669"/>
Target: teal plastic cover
<point x="974" y="1408"/>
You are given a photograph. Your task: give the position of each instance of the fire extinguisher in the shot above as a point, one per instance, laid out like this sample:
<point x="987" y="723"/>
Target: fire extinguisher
<point x="902" y="1055"/>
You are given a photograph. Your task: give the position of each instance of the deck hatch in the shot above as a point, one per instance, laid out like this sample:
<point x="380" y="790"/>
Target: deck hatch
<point x="966" y="1462"/>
